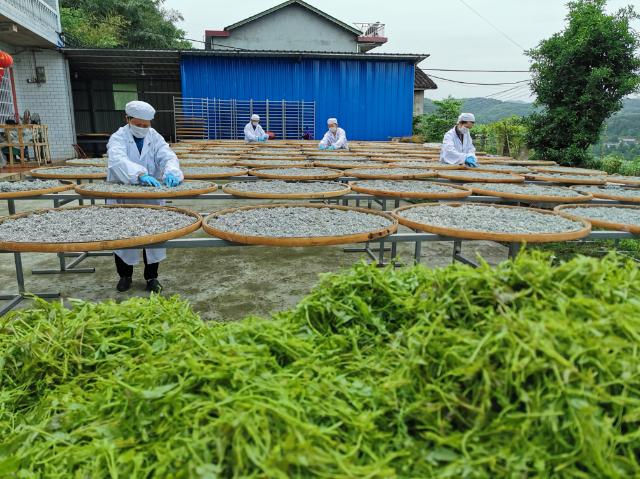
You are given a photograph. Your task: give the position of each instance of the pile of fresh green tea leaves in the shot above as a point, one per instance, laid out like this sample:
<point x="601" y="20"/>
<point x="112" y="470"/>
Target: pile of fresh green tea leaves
<point x="525" y="370"/>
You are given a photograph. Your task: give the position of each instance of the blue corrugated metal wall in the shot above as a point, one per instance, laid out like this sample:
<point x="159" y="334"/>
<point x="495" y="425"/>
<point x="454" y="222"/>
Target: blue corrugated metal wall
<point x="373" y="99"/>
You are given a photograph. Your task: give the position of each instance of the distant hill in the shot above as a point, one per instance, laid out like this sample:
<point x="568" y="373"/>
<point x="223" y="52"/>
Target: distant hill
<point x="625" y="123"/>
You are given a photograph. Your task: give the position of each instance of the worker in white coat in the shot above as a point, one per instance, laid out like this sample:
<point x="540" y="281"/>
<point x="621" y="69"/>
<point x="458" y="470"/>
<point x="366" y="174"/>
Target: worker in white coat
<point x="335" y="138"/>
<point x="253" y="131"/>
<point x="138" y="154"/>
<point x="457" y="145"/>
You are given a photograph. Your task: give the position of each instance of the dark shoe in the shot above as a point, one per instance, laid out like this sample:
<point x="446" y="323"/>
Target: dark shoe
<point x="154" y="286"/>
<point x="124" y="284"/>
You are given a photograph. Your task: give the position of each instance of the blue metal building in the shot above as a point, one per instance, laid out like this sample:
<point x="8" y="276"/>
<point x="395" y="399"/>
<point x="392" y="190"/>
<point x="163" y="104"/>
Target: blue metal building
<point x="370" y="94"/>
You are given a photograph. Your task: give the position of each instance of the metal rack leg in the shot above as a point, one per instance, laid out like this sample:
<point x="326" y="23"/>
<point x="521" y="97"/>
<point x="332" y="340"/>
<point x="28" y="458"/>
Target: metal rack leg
<point x="417" y="253"/>
<point x="514" y="249"/>
<point x="457" y="254"/>
<point x="15" y="299"/>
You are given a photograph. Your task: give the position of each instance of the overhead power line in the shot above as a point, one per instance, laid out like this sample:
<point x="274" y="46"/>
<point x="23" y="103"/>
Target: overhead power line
<point x="474" y="71"/>
<point x="492" y="25"/>
<point x="478" y="83"/>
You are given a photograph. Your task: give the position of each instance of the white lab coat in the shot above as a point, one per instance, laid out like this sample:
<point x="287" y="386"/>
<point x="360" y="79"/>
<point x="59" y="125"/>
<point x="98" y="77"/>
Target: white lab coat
<point x="126" y="164"/>
<point x="251" y="135"/>
<point x="339" y="140"/>
<point x="454" y="151"/>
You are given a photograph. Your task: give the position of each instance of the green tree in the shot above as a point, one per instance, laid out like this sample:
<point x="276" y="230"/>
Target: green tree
<point x="580" y="76"/>
<point x="503" y="137"/>
<point x="433" y="126"/>
<point x="143" y="24"/>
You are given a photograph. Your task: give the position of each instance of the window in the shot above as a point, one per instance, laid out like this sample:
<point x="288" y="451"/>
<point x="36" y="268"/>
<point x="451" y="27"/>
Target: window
<point x="123" y="93"/>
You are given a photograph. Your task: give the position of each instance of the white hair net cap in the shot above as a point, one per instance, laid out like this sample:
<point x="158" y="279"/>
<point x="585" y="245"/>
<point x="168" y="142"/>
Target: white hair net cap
<point x="140" y="109"/>
<point x="467" y="117"/>
<point x="332" y="120"/>
<point x="255" y="117"/>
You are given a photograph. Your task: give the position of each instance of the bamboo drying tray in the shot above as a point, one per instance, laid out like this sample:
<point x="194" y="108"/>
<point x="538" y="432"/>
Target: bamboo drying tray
<point x="565" y="210"/>
<point x="66" y="185"/>
<point x="300" y="241"/>
<point x="461" y="193"/>
<point x="419" y="174"/>
<point x="334" y="175"/>
<point x="147" y="193"/>
<point x="346" y="165"/>
<point x="469" y="178"/>
<point x="211" y="176"/>
<point x="100" y="162"/>
<point x="488" y="235"/>
<point x="531" y="198"/>
<point x="564" y="171"/>
<point x="587" y="180"/>
<point x="624" y="180"/>
<point x="207" y="162"/>
<point x="273" y="162"/>
<point x="611" y="196"/>
<point x="49" y="173"/>
<point x="228" y="188"/>
<point x="16" y="246"/>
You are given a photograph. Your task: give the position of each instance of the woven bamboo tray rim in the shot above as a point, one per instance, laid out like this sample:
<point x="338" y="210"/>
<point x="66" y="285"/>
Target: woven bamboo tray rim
<point x="192" y="164"/>
<point x="610" y="196"/>
<point x="16" y="246"/>
<point x="86" y="162"/>
<point x="334" y="175"/>
<point x="210" y="176"/>
<point x="42" y="191"/>
<point x="150" y="194"/>
<point x="61" y="176"/>
<point x="419" y="174"/>
<point x="507" y="178"/>
<point x="621" y="180"/>
<point x="578" y="172"/>
<point x="489" y="169"/>
<point x="275" y="157"/>
<point x="330" y="164"/>
<point x="300" y="241"/>
<point x="228" y="188"/>
<point x="532" y="198"/>
<point x="409" y="158"/>
<point x="588" y="180"/>
<point x="461" y="193"/>
<point x="492" y="236"/>
<point x="271" y="163"/>
<point x="563" y="210"/>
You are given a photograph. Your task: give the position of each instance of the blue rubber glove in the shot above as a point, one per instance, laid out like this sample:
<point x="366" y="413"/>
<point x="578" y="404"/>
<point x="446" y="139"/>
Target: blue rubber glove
<point x="260" y="139"/>
<point x="265" y="137"/>
<point x="471" y="162"/>
<point x="171" y="181"/>
<point x="148" y="180"/>
<point x="322" y="147"/>
<point x="331" y="148"/>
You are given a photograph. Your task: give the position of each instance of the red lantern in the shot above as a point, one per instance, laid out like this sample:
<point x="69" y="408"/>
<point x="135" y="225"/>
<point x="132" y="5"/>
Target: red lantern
<point x="6" y="61"/>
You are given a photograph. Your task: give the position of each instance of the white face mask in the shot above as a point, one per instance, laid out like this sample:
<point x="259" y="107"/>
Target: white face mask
<point x="254" y="123"/>
<point x="333" y="129"/>
<point x="137" y="131"/>
<point x="464" y="130"/>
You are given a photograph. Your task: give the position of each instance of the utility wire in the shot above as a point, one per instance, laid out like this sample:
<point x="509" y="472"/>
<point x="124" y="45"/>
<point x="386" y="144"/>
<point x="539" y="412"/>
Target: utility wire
<point x="492" y="25"/>
<point x="478" y="83"/>
<point x="499" y="93"/>
<point x="474" y="71"/>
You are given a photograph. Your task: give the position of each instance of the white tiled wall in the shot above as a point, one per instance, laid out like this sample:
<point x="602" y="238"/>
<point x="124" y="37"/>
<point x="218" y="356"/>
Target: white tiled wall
<point x="52" y="100"/>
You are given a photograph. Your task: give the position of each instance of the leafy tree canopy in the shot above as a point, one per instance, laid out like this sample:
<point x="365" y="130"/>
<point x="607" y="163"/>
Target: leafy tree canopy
<point x="434" y="125"/>
<point x="144" y="24"/>
<point x="580" y="76"/>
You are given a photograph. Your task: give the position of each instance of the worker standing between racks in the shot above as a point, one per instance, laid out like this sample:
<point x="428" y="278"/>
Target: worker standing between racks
<point x="457" y="145"/>
<point x="335" y="138"/>
<point x="253" y="132"/>
<point x="138" y="154"/>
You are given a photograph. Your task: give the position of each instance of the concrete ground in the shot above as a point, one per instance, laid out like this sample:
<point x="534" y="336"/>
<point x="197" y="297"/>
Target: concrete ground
<point x="224" y="284"/>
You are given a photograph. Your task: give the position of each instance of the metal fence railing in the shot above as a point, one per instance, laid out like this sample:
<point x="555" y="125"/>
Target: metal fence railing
<point x="212" y="118"/>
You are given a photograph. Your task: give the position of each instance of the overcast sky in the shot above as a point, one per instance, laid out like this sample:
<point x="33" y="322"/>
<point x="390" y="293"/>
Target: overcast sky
<point x="457" y="36"/>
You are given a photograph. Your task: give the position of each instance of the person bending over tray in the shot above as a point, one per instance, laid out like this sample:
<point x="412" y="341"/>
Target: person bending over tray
<point x="253" y="131"/>
<point x="457" y="146"/>
<point x="138" y="154"/>
<point x="335" y="138"/>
